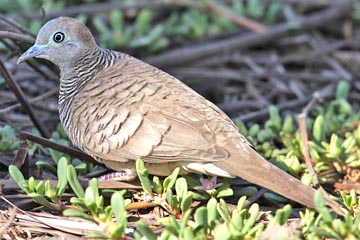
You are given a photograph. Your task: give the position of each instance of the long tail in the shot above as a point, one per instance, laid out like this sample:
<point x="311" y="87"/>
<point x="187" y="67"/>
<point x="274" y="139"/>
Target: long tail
<point x="251" y="166"/>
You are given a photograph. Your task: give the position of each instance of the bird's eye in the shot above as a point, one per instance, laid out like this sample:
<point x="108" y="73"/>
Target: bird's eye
<point x="59" y="37"/>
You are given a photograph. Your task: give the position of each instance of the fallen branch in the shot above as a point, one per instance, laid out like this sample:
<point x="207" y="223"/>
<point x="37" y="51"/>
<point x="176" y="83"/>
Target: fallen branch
<point x="244" y="75"/>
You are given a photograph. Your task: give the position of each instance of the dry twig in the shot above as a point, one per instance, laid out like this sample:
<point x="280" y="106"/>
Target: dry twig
<point x="23" y="100"/>
<point x="187" y="54"/>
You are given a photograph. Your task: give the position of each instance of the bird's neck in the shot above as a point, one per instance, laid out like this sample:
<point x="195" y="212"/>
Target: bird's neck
<point x="82" y="71"/>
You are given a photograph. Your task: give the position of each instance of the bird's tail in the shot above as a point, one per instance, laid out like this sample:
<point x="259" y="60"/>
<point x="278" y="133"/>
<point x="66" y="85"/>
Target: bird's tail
<point x="251" y="166"/>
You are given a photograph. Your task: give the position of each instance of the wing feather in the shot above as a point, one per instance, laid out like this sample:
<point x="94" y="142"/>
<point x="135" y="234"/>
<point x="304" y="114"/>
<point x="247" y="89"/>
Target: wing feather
<point x="141" y="116"/>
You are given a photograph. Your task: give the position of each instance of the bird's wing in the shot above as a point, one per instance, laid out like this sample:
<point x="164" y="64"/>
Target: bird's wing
<point x="133" y="110"/>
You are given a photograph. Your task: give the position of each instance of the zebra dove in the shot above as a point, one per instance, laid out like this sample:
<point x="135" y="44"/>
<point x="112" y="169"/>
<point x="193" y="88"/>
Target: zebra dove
<point x="117" y="109"/>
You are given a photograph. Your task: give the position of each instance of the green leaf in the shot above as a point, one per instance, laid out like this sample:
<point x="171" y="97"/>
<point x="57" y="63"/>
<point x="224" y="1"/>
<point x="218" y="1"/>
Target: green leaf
<point x="274" y="123"/>
<point x="307" y="179"/>
<point x="145" y="231"/>
<point x="238" y="218"/>
<point x="288" y="125"/>
<point x="181" y="188"/>
<point x="74" y="182"/>
<point x="143" y="175"/>
<point x="171" y="225"/>
<point x="249" y="222"/>
<point x="90" y="200"/>
<point x="8" y="140"/>
<point x="7" y="133"/>
<point x="222" y="232"/>
<point x="56" y="155"/>
<point x="142" y="22"/>
<point x="184" y="222"/>
<point x="101" y="26"/>
<point x="255" y="8"/>
<point x="126" y="37"/>
<point x="98" y="235"/>
<point x="31" y="184"/>
<point x="40" y="188"/>
<point x="170" y="198"/>
<point x="118" y="207"/>
<point x="227" y="192"/>
<point x="81" y="168"/>
<point x="212" y="212"/>
<point x="40" y="199"/>
<point x="18" y="178"/>
<point x="342" y="90"/>
<point x="242" y="128"/>
<point x="186" y="202"/>
<point x="201" y="217"/>
<point x="61" y="172"/>
<point x="149" y="39"/>
<point x="349" y="146"/>
<point x="334" y="147"/>
<point x="80" y="202"/>
<point x="224" y="210"/>
<point x="275" y="197"/>
<point x="254" y="130"/>
<point x="171" y="23"/>
<point x="256" y="230"/>
<point x="244" y="191"/>
<point x="158" y="45"/>
<point x="60" y="129"/>
<point x="50" y="191"/>
<point x="170" y="180"/>
<point x="16" y="174"/>
<point x="241" y="203"/>
<point x="46" y="165"/>
<point x="94" y="185"/>
<point x="188" y="233"/>
<point x="70" y="212"/>
<point x="319" y="129"/>
<point x="273" y="13"/>
<point x="117" y="20"/>
<point x="157" y="185"/>
<point x="117" y="231"/>
<point x="282" y="215"/>
<point x="103" y="29"/>
<point x="321" y="207"/>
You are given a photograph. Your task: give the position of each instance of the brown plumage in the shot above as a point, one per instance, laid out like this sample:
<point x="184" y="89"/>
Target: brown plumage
<point x="117" y="108"/>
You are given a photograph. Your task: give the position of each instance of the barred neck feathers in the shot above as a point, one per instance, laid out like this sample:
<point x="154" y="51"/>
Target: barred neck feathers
<point x="73" y="80"/>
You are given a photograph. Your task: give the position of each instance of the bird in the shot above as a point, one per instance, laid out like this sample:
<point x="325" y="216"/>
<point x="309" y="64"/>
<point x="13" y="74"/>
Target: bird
<point x="117" y="109"/>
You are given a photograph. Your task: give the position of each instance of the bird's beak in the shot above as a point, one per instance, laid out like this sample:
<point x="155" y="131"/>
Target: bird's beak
<point x="34" y="51"/>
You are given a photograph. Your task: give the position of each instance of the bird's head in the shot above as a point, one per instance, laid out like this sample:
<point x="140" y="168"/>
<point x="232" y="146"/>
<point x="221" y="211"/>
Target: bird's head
<point x="62" y="41"/>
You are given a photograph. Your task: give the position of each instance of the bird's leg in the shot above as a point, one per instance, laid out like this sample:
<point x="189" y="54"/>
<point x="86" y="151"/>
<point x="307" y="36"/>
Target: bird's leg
<point x="126" y="175"/>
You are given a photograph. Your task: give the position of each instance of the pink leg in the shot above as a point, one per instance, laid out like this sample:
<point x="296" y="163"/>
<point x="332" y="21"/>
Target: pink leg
<point x="126" y="175"/>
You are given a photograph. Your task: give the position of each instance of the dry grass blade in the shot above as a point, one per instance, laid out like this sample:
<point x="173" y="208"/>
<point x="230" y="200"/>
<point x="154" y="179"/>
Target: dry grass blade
<point x="7" y="222"/>
<point x="49" y="221"/>
<point x="301" y="119"/>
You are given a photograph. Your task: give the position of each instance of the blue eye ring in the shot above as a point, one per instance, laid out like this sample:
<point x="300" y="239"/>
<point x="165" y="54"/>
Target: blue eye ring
<point x="58" y="37"/>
